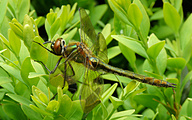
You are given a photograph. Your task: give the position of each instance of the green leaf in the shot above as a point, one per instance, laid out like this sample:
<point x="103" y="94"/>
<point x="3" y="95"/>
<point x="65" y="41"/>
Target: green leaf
<point x="178" y="63"/>
<point x="97" y="13"/>
<point x="65" y="105"/>
<point x="161" y="59"/>
<point x="178" y="4"/>
<point x="185" y="37"/>
<point x="163" y="31"/>
<point x="63" y="15"/>
<point x="47" y="28"/>
<point x="31" y="114"/>
<point x="76" y="111"/>
<point x="134" y="15"/>
<point x="157" y="15"/>
<point x="51" y="17"/>
<point x="14" y="111"/>
<point x="187" y="78"/>
<point x="109" y="92"/>
<point x="70" y="109"/>
<point x="37" y="52"/>
<point x="38" y="110"/>
<point x="71" y="13"/>
<point x="40" y="21"/>
<point x="17" y="28"/>
<point x="112" y="77"/>
<point x="4" y="80"/>
<point x="145" y="24"/>
<point x="14" y="42"/>
<point x="11" y="70"/>
<point x="153" y="90"/>
<point x="132" y="44"/>
<point x="130" y="88"/>
<point x="106" y="30"/>
<point x="57" y="80"/>
<point x="124" y="4"/>
<point x="26" y="70"/>
<point x="3" y="6"/>
<point x="155" y="49"/>
<point x="52" y="106"/>
<point x="4" y="40"/>
<point x="119" y="12"/>
<point x="121" y="28"/>
<point x="116" y="102"/>
<point x="69" y="35"/>
<point x="119" y="115"/>
<point x="55" y="27"/>
<point x="43" y="98"/>
<point x="129" y="55"/>
<point x="34" y="74"/>
<point x="113" y="51"/>
<point x="154" y="75"/>
<point x="20" y="99"/>
<point x="28" y="33"/>
<point x="171" y="16"/>
<point x="185" y="107"/>
<point x="23" y="9"/>
<point x="147" y="101"/>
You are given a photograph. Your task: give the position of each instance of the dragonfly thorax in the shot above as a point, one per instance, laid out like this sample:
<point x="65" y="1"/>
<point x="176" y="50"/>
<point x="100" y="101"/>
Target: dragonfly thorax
<point x="58" y="46"/>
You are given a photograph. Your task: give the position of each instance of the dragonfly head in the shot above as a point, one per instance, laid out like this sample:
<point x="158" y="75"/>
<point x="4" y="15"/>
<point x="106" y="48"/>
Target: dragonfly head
<point x="58" y="46"/>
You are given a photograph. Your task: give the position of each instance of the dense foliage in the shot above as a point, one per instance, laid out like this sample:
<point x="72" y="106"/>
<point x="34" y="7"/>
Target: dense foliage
<point x="154" y="41"/>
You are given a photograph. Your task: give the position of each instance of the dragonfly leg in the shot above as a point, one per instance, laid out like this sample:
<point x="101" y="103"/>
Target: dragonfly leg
<point x="50" y="72"/>
<point x="73" y="72"/>
<point x="45" y="47"/>
<point x="43" y="65"/>
<point x="56" y="65"/>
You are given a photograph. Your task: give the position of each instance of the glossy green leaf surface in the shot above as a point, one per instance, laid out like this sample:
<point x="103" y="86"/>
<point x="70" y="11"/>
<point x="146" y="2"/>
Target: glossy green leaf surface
<point x="122" y="114"/>
<point x="31" y="114"/>
<point x="171" y="16"/>
<point x="132" y="44"/>
<point x="115" y="101"/>
<point x="37" y="52"/>
<point x="135" y="15"/>
<point x="3" y="6"/>
<point x="119" y="11"/>
<point x="145" y="24"/>
<point x="28" y="32"/>
<point x="155" y="49"/>
<point x="113" y="51"/>
<point x="147" y="100"/>
<point x="109" y="92"/>
<point x="178" y="63"/>
<point x="11" y="70"/>
<point x="14" y="111"/>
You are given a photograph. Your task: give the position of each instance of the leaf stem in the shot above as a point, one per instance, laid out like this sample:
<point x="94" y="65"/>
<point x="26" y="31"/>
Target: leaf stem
<point x="144" y="41"/>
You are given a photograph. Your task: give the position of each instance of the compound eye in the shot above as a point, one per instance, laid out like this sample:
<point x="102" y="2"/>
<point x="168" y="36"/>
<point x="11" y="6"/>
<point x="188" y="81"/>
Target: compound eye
<point x="56" y="47"/>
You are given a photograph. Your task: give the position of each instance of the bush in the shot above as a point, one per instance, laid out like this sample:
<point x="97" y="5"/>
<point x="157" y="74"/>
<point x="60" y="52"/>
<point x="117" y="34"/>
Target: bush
<point x="26" y="88"/>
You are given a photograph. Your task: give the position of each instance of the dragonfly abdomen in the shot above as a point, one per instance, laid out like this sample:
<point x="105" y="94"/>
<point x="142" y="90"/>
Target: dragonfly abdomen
<point x="132" y="75"/>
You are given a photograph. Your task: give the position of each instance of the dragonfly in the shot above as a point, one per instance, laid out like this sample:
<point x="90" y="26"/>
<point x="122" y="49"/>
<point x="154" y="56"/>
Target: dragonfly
<point x="91" y="52"/>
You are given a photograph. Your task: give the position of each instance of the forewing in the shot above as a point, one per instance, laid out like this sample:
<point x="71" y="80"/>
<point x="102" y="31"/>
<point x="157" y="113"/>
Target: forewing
<point x="102" y="52"/>
<point x="87" y="32"/>
<point x="91" y="90"/>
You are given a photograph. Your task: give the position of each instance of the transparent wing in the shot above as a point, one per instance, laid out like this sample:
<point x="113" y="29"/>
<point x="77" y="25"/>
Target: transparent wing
<point x="96" y="44"/>
<point x="102" y="52"/>
<point x="91" y="90"/>
<point x="87" y="32"/>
